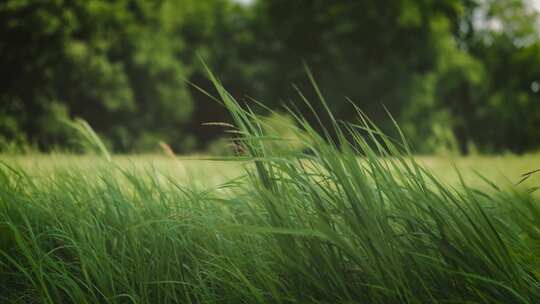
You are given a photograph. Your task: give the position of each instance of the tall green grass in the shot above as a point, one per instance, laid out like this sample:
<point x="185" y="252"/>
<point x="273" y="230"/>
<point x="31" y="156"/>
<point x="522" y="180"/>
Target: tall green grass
<point x="351" y="219"/>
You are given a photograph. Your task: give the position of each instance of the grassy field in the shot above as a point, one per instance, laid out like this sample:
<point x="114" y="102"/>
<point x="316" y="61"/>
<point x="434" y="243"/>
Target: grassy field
<point x="150" y="229"/>
<point x="344" y="221"/>
<point x="504" y="170"/>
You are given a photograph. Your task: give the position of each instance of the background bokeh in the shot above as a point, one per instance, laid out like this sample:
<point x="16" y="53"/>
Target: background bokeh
<point x="458" y="75"/>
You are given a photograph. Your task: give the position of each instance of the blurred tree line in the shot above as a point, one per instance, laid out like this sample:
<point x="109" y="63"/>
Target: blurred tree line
<point x="458" y="73"/>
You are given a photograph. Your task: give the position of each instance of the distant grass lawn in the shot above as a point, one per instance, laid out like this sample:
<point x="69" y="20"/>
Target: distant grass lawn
<point x="504" y="170"/>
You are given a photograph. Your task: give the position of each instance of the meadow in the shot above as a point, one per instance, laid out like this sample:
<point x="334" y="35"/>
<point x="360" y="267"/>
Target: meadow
<point x="354" y="218"/>
<point x="504" y="170"/>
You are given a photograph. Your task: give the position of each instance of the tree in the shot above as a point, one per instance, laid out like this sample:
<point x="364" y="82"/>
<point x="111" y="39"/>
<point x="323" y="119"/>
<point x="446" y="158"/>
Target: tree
<point x="445" y="69"/>
<point x="114" y="63"/>
<point x="400" y="54"/>
<point x="508" y="111"/>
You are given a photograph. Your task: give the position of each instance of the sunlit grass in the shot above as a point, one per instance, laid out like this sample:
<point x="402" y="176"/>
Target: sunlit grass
<point x="504" y="170"/>
<point x="351" y="219"/>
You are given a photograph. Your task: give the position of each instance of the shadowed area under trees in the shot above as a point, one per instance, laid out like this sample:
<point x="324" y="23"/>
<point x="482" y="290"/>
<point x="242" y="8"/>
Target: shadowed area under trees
<point x="457" y="73"/>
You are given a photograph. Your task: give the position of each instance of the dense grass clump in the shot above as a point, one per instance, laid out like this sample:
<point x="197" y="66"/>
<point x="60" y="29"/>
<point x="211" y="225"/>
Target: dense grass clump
<point x="351" y="219"/>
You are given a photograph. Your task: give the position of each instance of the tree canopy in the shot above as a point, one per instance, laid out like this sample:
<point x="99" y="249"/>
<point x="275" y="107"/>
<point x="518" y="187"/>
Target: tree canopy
<point x="464" y="73"/>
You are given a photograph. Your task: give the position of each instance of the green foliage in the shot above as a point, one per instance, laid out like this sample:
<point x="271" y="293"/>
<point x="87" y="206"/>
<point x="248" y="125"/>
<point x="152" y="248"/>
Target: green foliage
<point x="12" y="139"/>
<point x="318" y="227"/>
<point x="89" y="138"/>
<point x="511" y="97"/>
<point x="222" y="146"/>
<point x="282" y="132"/>
<point x="112" y="62"/>
<point x="124" y="66"/>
